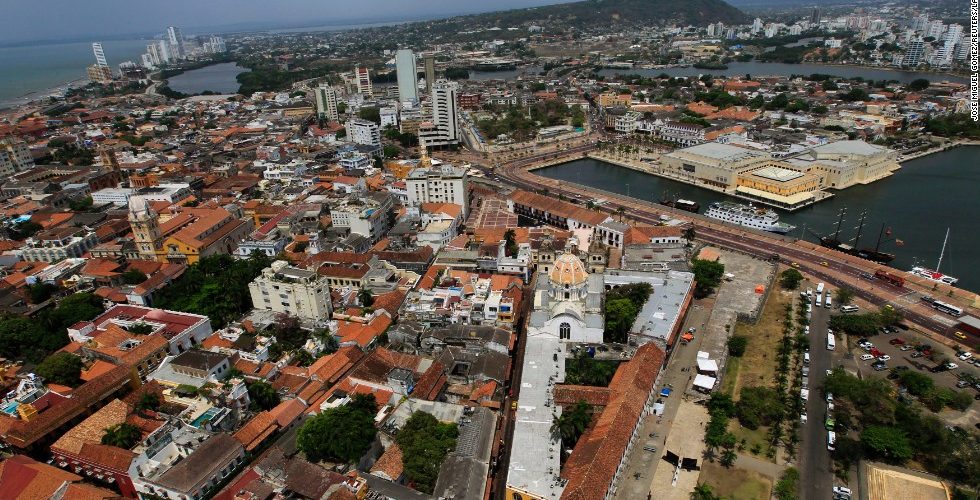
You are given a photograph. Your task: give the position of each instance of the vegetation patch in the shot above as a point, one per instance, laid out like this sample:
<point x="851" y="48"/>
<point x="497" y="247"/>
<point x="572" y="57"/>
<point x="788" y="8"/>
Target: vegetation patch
<point x="425" y="442"/>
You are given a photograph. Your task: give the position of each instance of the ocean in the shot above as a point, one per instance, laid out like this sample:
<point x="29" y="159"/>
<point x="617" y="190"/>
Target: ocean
<point x="32" y="70"/>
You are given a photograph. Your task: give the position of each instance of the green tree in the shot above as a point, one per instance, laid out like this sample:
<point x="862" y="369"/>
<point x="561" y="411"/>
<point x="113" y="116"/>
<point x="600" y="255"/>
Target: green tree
<point x="620" y="315"/>
<point x="888" y="316"/>
<point x="365" y="297"/>
<point x="788" y="484"/>
<point x="571" y="424"/>
<point x="41" y="291"/>
<point x="262" y="395"/>
<point x="918" y="85"/>
<point x="510" y="243"/>
<point x="844" y="295"/>
<point x="149" y="401"/>
<point x="75" y="308"/>
<point x="703" y="491"/>
<point x="140" y="328"/>
<point x="707" y="275"/>
<point x="759" y="406"/>
<point x="690" y="234"/>
<point x="585" y="370"/>
<point x="889" y="443"/>
<point x="790" y="279"/>
<point x="342" y="434"/>
<point x="737" y="345"/>
<point x="133" y="277"/>
<point x="728" y="457"/>
<point x="917" y="383"/>
<point x="370" y="113"/>
<point x="23" y="338"/>
<point x="390" y="151"/>
<point x="62" y="368"/>
<point x="25" y="229"/>
<point x="425" y="442"/>
<point x="123" y="435"/>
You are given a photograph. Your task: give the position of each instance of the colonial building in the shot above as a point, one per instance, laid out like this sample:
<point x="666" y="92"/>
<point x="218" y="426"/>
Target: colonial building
<point x="187" y="234"/>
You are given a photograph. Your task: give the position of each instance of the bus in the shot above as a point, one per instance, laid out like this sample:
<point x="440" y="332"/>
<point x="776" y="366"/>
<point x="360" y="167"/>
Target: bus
<point x="947" y="308"/>
<point x="831" y="342"/>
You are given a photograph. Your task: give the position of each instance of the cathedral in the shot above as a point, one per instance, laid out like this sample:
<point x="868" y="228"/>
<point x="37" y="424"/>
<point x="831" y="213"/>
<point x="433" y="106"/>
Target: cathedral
<point x="183" y="235"/>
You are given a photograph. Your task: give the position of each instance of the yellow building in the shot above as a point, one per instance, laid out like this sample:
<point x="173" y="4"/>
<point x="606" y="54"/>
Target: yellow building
<point x="778" y="186"/>
<point x="611" y="99"/>
<point x="189" y="233"/>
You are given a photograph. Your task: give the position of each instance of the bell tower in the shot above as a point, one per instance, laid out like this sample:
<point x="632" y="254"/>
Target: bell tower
<point x="146" y="227"/>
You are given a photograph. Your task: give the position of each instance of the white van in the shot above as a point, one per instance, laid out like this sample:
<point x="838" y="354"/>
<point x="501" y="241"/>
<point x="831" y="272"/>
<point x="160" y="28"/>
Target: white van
<point x="819" y="288"/>
<point x="806" y="358"/>
<point x="849" y="309"/>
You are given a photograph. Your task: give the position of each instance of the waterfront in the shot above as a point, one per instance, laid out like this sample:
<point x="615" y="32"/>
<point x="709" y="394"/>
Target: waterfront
<point x="918" y="202"/>
<point x="755" y="68"/>
<point x="32" y="70"/>
<point x="218" y="78"/>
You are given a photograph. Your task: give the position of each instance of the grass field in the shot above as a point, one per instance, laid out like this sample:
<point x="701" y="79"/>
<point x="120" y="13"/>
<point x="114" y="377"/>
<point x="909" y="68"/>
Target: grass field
<point x="737" y="484"/>
<point x="758" y="366"/>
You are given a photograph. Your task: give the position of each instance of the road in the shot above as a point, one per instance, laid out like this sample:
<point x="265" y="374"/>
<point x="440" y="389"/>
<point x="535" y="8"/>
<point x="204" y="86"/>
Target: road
<point x="816" y="474"/>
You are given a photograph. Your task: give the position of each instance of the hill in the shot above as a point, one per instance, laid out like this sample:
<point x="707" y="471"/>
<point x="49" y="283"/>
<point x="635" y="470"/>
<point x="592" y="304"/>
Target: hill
<point x="618" y="13"/>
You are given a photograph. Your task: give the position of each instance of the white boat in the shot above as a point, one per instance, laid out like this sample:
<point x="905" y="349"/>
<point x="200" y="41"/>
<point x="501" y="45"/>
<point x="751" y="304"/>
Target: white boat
<point x="934" y="274"/>
<point x="749" y="216"/>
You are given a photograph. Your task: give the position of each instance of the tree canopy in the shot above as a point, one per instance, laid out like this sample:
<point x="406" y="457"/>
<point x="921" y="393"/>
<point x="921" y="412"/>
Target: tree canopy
<point x="216" y="286"/>
<point x="342" y="434"/>
<point x="790" y="279"/>
<point x="123" y="435"/>
<point x="262" y="395"/>
<point x="888" y="443"/>
<point x="62" y="368"/>
<point x="707" y="274"/>
<point x="425" y="442"/>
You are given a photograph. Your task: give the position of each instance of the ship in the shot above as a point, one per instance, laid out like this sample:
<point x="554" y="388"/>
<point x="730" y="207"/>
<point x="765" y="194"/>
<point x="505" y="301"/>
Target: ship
<point x="748" y="216"/>
<point x="833" y="241"/>
<point x="680" y="204"/>
<point x="934" y="274"/>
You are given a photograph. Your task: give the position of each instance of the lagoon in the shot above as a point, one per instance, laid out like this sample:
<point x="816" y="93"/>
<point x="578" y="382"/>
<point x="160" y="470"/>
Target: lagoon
<point x="217" y="78"/>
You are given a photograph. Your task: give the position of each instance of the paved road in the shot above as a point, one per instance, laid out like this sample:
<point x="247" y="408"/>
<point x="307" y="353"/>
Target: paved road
<point x="816" y="475"/>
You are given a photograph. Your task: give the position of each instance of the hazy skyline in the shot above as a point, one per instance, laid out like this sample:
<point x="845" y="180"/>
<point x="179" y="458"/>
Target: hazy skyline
<point x="71" y="19"/>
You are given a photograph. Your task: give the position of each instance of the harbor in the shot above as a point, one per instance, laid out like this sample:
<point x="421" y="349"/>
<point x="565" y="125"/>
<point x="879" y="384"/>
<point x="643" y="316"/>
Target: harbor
<point x="915" y="217"/>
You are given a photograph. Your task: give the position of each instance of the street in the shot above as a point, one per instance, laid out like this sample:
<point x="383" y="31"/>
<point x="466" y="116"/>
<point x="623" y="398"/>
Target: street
<point x="816" y="475"/>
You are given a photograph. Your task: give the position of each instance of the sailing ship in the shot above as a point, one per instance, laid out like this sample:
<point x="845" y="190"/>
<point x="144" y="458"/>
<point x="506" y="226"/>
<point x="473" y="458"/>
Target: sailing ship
<point x="934" y="274"/>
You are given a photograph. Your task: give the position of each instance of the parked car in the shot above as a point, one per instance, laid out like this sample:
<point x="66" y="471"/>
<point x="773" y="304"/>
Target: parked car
<point x="896" y="341"/>
<point x="905" y="347"/>
<point x="965" y="356"/>
<point x="867" y="357"/>
<point x="879" y="366"/>
<point x="917" y="354"/>
<point x="884" y="357"/>
<point x="962" y="383"/>
<point x="952" y="366"/>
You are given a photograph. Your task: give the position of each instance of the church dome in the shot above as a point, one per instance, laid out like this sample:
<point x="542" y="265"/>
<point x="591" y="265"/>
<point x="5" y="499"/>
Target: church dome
<point x="568" y="270"/>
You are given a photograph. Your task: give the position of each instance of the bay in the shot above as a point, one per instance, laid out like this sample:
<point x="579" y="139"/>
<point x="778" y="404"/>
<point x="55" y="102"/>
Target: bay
<point x="219" y="78"/>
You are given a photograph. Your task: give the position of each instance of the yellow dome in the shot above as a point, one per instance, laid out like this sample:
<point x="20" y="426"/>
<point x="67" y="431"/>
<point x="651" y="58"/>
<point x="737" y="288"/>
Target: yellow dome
<point x="568" y="270"/>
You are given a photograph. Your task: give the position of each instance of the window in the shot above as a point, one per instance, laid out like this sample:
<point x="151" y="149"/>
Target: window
<point x="564" y="331"/>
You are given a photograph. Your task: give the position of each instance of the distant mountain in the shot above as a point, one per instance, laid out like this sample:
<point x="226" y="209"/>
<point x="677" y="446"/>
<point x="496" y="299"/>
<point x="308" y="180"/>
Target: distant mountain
<point x="602" y="13"/>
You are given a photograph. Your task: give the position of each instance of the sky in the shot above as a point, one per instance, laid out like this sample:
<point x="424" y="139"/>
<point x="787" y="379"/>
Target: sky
<point x="53" y="20"/>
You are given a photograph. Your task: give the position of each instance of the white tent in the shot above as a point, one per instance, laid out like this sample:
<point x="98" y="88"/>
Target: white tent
<point x="704" y="382"/>
<point x="707" y="366"/>
<point x="703" y="355"/>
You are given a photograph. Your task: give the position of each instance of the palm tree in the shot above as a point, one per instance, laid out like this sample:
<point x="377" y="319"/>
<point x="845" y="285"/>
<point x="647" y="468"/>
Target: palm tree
<point x="728" y="457"/>
<point x="572" y="423"/>
<point x="703" y="492"/>
<point x="690" y="234"/>
<point x="621" y="211"/>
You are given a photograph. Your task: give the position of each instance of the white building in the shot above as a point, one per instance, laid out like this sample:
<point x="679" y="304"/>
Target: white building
<point x="914" y="53"/>
<point x="364" y="132"/>
<point x="626" y="124"/>
<point x="291" y="290"/>
<point x="438" y="184"/>
<point x="389" y="117"/>
<point x="444" y="127"/>
<point x="326" y="103"/>
<point x="15" y="156"/>
<point x="176" y="42"/>
<point x="408" y="87"/>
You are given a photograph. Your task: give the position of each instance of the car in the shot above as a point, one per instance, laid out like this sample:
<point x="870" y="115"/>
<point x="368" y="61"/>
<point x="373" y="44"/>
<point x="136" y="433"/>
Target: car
<point x="796" y="265"/>
<point x="842" y="490"/>
<point x="829" y="371"/>
<point x="917" y="354"/>
<point x="884" y="357"/>
<point x="513" y="405"/>
<point x="960" y="335"/>
<point x="965" y="356"/>
<point x="867" y="357"/>
<point x="651" y="449"/>
<point x="962" y="383"/>
<point x="896" y="341"/>
<point x="802" y="418"/>
<point x="824" y="264"/>
<point x="830" y="398"/>
<point x="879" y="366"/>
<point x="692" y="330"/>
<point x="905" y="347"/>
<point x="952" y="366"/>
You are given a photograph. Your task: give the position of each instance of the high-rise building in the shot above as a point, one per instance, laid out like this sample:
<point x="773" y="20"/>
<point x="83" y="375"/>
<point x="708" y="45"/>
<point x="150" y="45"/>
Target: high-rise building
<point x="408" y="77"/>
<point x="99" y="74"/>
<point x="913" y="53"/>
<point x="291" y="290"/>
<point x="15" y="156"/>
<point x="444" y="128"/>
<point x="99" y="54"/>
<point x="429" y="61"/>
<point x="176" y="41"/>
<point x="962" y="49"/>
<point x="438" y="184"/>
<point x="954" y="33"/>
<point x="920" y="23"/>
<point x="935" y="29"/>
<point x="363" y="132"/>
<point x="815" y="16"/>
<point x="756" y="25"/>
<point x="362" y="81"/>
<point x="326" y="103"/>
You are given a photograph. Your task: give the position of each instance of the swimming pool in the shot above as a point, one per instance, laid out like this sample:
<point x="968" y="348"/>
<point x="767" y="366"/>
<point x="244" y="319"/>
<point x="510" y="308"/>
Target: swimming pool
<point x="11" y="408"/>
<point x="205" y="417"/>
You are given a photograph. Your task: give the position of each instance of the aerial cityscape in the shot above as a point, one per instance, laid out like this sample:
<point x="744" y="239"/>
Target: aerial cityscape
<point x="534" y="250"/>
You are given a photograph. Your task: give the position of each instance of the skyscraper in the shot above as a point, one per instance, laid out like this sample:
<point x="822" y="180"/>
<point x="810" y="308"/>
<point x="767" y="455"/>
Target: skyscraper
<point x="176" y="41"/>
<point x="445" y="116"/>
<point x="430" y="71"/>
<point x="913" y="53"/>
<point x="99" y="54"/>
<point x="326" y="103"/>
<point x="815" y="16"/>
<point x="408" y="79"/>
<point x="362" y="81"/>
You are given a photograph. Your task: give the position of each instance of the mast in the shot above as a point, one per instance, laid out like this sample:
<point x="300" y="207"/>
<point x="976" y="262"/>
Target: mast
<point x="943" y="251"/>
<point x="840" y="220"/>
<point x="880" y="233"/>
<point x="857" y="237"/>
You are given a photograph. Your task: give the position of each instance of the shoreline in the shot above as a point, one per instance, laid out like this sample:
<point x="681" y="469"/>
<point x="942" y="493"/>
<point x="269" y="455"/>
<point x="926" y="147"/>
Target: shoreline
<point x="956" y="143"/>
